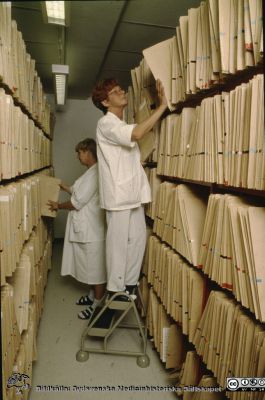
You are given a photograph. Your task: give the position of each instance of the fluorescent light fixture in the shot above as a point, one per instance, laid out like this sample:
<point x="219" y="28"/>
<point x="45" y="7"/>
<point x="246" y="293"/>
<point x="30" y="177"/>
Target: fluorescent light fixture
<point x="60" y="82"/>
<point x="55" y="12"/>
<point x="60" y="73"/>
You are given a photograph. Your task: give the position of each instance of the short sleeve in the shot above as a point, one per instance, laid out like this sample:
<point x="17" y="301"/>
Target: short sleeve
<point x="118" y="132"/>
<point x="83" y="191"/>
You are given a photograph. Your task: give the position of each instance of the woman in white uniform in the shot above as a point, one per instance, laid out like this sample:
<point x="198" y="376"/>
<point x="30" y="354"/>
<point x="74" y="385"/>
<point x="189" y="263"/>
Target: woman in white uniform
<point x="123" y="185"/>
<point x="84" y="243"/>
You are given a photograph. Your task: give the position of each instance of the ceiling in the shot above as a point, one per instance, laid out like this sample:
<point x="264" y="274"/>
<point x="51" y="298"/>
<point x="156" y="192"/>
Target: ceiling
<point x="104" y="38"/>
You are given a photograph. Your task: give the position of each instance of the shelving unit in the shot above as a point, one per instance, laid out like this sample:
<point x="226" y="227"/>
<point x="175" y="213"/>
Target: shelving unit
<point x="26" y="238"/>
<point x="222" y="363"/>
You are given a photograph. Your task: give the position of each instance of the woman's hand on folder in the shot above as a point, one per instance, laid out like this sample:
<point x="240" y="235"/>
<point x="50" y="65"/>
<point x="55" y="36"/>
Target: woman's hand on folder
<point x="144" y="127"/>
<point x="53" y="205"/>
<point x="161" y="93"/>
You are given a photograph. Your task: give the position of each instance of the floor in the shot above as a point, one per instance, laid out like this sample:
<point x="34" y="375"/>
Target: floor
<point x="57" y="374"/>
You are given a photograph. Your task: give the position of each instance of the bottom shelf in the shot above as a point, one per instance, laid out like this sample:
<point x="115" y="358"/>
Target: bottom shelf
<point x="226" y="342"/>
<point x="188" y="375"/>
<point x="22" y="299"/>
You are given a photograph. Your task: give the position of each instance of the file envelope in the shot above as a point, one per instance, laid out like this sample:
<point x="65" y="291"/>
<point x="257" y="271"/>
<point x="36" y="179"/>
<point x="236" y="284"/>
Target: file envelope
<point x="147" y="144"/>
<point x="158" y="57"/>
<point x="229" y="341"/>
<point x="49" y="191"/>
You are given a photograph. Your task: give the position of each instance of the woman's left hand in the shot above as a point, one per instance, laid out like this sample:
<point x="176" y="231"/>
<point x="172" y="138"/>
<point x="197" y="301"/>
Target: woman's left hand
<point x="53" y="205"/>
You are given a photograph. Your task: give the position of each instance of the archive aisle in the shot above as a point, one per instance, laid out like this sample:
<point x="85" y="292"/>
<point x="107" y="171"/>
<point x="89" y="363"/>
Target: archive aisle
<point x="25" y="237"/>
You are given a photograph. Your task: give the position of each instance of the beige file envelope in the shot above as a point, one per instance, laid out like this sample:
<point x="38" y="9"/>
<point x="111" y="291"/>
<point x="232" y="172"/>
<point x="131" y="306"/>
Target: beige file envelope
<point x="173" y="50"/>
<point x="209" y="381"/>
<point x="138" y="76"/>
<point x="175" y="147"/>
<point x="248" y="345"/>
<point x="248" y="36"/>
<point x="261" y="363"/>
<point x="257" y="230"/>
<point x="217" y="362"/>
<point x="134" y="82"/>
<point x="246" y="138"/>
<point x="240" y="37"/>
<point x="145" y="292"/>
<point x="195" y="301"/>
<point x="188" y="116"/>
<point x="233" y="38"/>
<point x="175" y="310"/>
<point x="224" y="30"/>
<point x="214" y="33"/>
<point x="199" y="50"/>
<point x="192" y="31"/>
<point x="49" y="191"/>
<point x="259" y="173"/>
<point x="253" y="133"/>
<point x="154" y="310"/>
<point x="3" y="134"/>
<point x="147" y="143"/>
<point x="207" y="59"/>
<point x="180" y="67"/>
<point x="173" y="296"/>
<point x="158" y="57"/>
<point x="238" y="135"/>
<point x="175" y="349"/>
<point x="191" y="371"/>
<point x="169" y="283"/>
<point x="161" y="148"/>
<point x="163" y="333"/>
<point x="203" y="329"/>
<point x="255" y="9"/>
<point x="185" y="305"/>
<point x="248" y="258"/>
<point x="21" y="283"/>
<point x="193" y="210"/>
<point x="167" y="235"/>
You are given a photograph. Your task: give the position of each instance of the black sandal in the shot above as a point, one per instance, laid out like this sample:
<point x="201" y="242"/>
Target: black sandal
<point x="84" y="301"/>
<point x="87" y="313"/>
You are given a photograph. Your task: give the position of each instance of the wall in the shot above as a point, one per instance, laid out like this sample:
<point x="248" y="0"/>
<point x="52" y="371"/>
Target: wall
<point x="76" y="122"/>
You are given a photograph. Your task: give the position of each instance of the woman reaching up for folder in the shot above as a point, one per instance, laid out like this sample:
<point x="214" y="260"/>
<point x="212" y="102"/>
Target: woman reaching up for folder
<point x="84" y="242"/>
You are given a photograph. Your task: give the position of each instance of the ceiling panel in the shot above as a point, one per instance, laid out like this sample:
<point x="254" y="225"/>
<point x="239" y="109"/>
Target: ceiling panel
<point x="95" y="8"/>
<point x="133" y="37"/>
<point x="44" y="53"/>
<point x="121" y="76"/>
<point x="158" y="12"/>
<point x="32" y="26"/>
<point x="82" y="57"/>
<point x="93" y="22"/>
<point x="28" y="5"/>
<point x="122" y="60"/>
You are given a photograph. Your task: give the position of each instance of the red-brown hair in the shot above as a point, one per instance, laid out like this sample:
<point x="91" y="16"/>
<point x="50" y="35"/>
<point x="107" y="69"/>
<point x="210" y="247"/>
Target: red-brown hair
<point x="101" y="90"/>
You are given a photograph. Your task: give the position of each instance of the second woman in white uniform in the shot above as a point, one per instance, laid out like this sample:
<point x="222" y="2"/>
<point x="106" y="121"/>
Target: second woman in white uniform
<point x="84" y="243"/>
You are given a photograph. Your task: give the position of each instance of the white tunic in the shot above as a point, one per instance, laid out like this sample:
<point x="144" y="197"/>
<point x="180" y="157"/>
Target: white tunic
<point x="84" y="243"/>
<point x="122" y="181"/>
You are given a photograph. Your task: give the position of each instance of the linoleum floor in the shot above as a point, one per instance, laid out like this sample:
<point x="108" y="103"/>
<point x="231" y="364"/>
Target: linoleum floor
<point x="57" y="374"/>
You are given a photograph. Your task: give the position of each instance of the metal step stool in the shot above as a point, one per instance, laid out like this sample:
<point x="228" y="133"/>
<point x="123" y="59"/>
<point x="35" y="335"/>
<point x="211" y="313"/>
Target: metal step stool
<point x="109" y="317"/>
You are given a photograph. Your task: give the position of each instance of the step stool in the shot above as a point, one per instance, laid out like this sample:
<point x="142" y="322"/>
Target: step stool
<point x="109" y="317"/>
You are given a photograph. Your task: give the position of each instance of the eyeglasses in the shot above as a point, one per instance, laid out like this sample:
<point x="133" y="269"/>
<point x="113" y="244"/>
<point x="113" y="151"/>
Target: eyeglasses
<point x="117" y="90"/>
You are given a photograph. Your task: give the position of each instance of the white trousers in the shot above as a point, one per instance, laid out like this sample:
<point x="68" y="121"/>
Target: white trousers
<point x="125" y="246"/>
